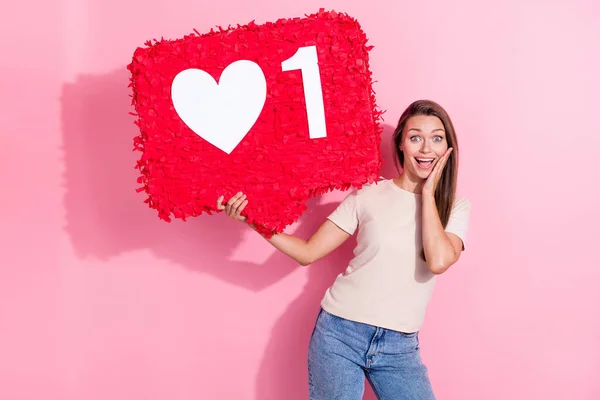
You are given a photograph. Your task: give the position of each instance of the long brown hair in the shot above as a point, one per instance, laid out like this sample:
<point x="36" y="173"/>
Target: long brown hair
<point x="445" y="192"/>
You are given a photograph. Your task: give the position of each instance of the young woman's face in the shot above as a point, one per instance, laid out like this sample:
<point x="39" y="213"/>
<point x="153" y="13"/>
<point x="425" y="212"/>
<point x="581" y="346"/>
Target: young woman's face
<point x="423" y="143"/>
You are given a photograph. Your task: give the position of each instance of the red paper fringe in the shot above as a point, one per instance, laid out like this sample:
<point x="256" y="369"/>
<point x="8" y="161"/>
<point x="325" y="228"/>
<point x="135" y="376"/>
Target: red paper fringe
<point x="277" y="165"/>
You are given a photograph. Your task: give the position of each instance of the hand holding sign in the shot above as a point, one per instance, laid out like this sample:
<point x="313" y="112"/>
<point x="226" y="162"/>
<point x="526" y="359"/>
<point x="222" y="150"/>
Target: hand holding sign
<point x="282" y="112"/>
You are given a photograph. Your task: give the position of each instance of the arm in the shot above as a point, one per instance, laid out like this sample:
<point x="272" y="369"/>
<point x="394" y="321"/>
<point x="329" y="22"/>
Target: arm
<point x="326" y="239"/>
<point x="442" y="249"/>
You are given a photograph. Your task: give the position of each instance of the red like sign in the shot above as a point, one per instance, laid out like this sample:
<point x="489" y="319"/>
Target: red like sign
<point x="282" y="111"/>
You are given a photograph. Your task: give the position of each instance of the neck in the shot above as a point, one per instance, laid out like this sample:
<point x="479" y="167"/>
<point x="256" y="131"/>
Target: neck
<point x="409" y="183"/>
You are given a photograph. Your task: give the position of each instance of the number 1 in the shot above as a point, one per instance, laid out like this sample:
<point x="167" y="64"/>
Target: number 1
<point x="306" y="60"/>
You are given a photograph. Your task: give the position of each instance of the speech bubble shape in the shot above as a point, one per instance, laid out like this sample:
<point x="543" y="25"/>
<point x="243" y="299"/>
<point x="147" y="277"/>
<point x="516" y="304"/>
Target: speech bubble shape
<point x="316" y="130"/>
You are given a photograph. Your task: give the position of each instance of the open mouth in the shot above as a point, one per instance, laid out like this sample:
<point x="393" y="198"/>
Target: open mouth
<point x="424" y="163"/>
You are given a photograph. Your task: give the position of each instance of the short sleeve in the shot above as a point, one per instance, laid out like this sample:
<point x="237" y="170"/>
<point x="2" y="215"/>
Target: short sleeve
<point x="346" y="214"/>
<point x="458" y="223"/>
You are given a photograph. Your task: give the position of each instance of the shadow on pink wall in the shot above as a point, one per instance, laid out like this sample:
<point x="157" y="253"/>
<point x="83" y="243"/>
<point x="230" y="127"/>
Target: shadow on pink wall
<point x="106" y="217"/>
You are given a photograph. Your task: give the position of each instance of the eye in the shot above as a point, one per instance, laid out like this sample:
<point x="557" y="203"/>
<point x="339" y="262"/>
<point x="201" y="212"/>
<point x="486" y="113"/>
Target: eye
<point x="415" y="138"/>
<point x="438" y="139"/>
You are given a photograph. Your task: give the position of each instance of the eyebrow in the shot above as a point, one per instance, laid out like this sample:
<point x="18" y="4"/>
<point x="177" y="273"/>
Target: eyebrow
<point x="419" y="130"/>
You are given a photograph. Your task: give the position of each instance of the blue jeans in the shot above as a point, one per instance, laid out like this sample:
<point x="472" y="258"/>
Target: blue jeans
<point x="342" y="353"/>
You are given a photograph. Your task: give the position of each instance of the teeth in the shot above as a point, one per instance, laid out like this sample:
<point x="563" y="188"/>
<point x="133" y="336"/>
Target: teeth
<point x="424" y="159"/>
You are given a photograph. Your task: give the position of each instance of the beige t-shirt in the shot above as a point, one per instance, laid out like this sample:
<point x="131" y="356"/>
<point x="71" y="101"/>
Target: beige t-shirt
<point x="386" y="284"/>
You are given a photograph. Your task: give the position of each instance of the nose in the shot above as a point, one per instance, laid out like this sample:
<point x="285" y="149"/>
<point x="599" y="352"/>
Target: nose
<point x="425" y="148"/>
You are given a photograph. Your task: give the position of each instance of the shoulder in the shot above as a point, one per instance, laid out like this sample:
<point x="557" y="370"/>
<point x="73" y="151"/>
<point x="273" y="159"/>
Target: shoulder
<point x="461" y="202"/>
<point x="458" y="223"/>
<point x="361" y="194"/>
<point x="372" y="188"/>
<point x="461" y="208"/>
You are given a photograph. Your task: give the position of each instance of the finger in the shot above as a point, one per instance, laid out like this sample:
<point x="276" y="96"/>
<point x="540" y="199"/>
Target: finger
<point x="239" y="210"/>
<point x="448" y="153"/>
<point x="436" y="167"/>
<point x="237" y="203"/>
<point x="229" y="206"/>
<point x="234" y="198"/>
<point x="220" y="205"/>
<point x="440" y="170"/>
<point x="436" y="174"/>
<point x="443" y="160"/>
<point x="442" y="163"/>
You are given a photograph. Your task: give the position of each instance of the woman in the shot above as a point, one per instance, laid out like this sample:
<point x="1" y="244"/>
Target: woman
<point x="410" y="229"/>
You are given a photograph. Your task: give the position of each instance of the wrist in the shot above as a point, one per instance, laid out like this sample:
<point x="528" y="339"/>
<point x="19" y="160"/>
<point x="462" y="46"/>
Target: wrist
<point x="254" y="228"/>
<point x="427" y="196"/>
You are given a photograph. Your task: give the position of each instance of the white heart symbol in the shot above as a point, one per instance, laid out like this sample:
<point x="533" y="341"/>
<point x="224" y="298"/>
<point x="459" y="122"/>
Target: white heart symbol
<point x="220" y="113"/>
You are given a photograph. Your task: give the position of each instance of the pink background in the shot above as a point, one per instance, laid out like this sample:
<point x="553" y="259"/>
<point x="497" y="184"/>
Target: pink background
<point x="101" y="300"/>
